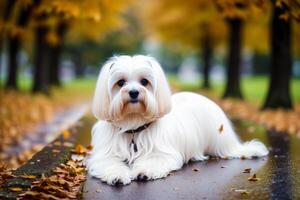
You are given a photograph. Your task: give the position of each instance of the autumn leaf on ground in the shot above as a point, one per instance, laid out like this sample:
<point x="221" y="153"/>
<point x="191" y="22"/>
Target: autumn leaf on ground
<point x="68" y="144"/>
<point x="253" y="178"/>
<point x="28" y="176"/>
<point x="66" y="134"/>
<point x="247" y="170"/>
<point x="241" y="191"/>
<point x="79" y="149"/>
<point x="65" y="183"/>
<point x="16" y="189"/>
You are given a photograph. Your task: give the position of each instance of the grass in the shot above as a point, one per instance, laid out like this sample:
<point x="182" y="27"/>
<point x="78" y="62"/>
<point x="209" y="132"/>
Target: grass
<point x="254" y="88"/>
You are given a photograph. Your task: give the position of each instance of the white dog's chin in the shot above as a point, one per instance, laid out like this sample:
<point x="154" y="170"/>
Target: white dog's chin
<point x="145" y="139"/>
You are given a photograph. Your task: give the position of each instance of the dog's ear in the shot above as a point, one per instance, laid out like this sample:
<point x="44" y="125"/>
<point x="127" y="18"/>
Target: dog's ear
<point x="101" y="100"/>
<point x="162" y="90"/>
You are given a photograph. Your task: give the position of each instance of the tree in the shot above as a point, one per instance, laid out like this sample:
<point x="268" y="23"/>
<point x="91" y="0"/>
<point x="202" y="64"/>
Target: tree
<point x="55" y="53"/>
<point x="6" y="9"/>
<point x="14" y="43"/>
<point x="50" y="20"/>
<point x="233" y="88"/>
<point x="236" y="12"/>
<point x="207" y="57"/>
<point x="41" y="61"/>
<point x="281" y="57"/>
<point x="195" y="25"/>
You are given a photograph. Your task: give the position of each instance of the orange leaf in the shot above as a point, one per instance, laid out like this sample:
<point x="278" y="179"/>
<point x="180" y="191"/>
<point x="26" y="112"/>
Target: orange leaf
<point x="16" y="189"/>
<point x="66" y="134"/>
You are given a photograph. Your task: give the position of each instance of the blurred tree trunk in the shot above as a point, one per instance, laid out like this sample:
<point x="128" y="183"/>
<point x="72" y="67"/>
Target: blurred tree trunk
<point x="77" y="58"/>
<point x="41" y="63"/>
<point x="54" y="62"/>
<point x="14" y="44"/>
<point x="55" y="57"/>
<point x="7" y="10"/>
<point x="13" y="65"/>
<point x="234" y="58"/>
<point x="281" y="61"/>
<point x="207" y="54"/>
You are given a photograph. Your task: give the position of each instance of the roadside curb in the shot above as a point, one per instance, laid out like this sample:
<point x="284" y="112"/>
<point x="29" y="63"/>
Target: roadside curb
<point x="42" y="163"/>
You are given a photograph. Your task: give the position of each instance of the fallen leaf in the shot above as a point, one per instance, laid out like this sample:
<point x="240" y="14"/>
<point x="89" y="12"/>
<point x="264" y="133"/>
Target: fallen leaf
<point x="253" y="178"/>
<point x="98" y="190"/>
<point x="16" y="189"/>
<point x="79" y="149"/>
<point x="66" y="134"/>
<point x="242" y="191"/>
<point x="55" y="151"/>
<point x="28" y="176"/>
<point x="68" y="144"/>
<point x="195" y="169"/>
<point x="247" y="170"/>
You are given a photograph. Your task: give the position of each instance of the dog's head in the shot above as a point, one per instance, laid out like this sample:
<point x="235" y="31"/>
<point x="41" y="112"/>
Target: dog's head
<point x="131" y="86"/>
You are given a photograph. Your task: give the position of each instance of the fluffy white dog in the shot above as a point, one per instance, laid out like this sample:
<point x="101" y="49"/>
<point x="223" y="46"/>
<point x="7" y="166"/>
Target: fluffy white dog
<point x="144" y="132"/>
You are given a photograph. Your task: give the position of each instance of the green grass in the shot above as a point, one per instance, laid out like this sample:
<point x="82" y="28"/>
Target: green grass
<point x="254" y="88"/>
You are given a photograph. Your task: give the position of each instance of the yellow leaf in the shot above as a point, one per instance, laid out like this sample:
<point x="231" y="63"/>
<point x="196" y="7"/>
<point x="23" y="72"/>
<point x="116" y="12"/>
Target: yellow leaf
<point x="285" y="16"/>
<point x="66" y="134"/>
<point x="28" y="176"/>
<point x="16" y="189"/>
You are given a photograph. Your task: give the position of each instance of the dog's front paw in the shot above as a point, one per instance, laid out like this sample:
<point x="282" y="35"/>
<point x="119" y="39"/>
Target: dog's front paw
<point x="113" y="175"/>
<point x="148" y="173"/>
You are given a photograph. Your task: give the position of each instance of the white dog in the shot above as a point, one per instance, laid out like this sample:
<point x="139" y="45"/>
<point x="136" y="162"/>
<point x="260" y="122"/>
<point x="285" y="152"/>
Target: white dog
<point x="144" y="132"/>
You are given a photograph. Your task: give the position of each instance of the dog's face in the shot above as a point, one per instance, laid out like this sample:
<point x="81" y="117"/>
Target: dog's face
<point x="131" y="86"/>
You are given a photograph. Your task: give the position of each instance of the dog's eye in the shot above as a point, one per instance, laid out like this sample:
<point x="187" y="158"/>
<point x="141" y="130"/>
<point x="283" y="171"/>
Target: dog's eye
<point x="121" y="82"/>
<point x="144" y="82"/>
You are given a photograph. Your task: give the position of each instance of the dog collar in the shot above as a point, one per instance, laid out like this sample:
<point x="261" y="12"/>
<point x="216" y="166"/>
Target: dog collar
<point x="139" y="129"/>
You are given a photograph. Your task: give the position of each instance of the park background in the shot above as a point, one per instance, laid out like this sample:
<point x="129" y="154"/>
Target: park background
<point x="244" y="54"/>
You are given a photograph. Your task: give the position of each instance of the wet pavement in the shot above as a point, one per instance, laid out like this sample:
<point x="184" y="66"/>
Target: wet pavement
<point x="279" y="175"/>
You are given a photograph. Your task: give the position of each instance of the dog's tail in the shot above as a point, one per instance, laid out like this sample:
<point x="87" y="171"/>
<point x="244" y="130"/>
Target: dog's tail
<point x="253" y="148"/>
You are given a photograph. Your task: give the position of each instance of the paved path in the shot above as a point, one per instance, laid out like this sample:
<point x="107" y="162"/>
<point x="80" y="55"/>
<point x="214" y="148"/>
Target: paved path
<point x="279" y="176"/>
<point x="47" y="132"/>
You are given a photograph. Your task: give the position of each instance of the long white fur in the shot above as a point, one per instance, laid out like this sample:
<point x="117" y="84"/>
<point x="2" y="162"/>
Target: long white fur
<point x="185" y="126"/>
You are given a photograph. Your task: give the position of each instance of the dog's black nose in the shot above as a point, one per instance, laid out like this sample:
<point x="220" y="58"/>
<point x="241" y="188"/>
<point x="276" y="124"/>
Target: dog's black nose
<point x="133" y="94"/>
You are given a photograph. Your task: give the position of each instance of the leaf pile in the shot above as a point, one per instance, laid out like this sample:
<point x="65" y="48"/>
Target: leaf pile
<point x="21" y="112"/>
<point x="65" y="183"/>
<point x="4" y="174"/>
<point x="279" y="119"/>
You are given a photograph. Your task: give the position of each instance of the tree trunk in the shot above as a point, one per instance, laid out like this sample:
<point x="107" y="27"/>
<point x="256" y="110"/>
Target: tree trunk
<point x="55" y="56"/>
<point x="9" y="5"/>
<point x="79" y="69"/>
<point x="40" y="82"/>
<point x="281" y="61"/>
<point x="234" y="58"/>
<point x="13" y="65"/>
<point x="207" y="53"/>
<point x="54" y="78"/>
